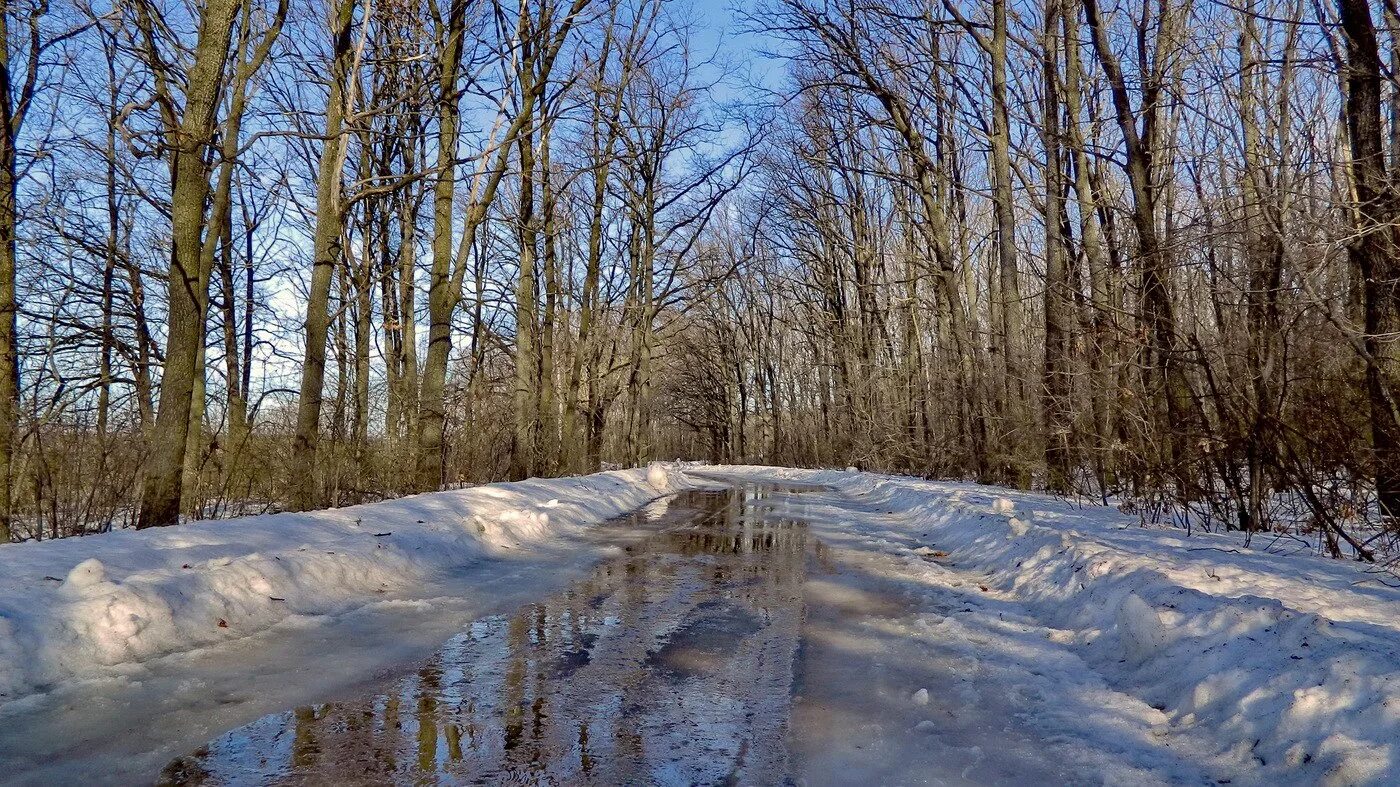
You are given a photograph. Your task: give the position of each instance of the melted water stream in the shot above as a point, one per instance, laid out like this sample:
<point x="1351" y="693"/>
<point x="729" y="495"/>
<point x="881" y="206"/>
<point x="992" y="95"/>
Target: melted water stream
<point x="673" y="663"/>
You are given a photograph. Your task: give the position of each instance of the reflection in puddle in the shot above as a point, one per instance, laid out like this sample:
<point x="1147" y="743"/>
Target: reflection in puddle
<point x="672" y="664"/>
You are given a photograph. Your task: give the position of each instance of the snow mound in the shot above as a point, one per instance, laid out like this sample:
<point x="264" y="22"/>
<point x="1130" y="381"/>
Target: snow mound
<point x="86" y="574"/>
<point x="1140" y="628"/>
<point x="660" y="474"/>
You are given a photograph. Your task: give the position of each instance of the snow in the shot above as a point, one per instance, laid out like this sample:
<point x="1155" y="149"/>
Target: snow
<point x="1266" y="668"/>
<point x="959" y="633"/>
<point x="73" y="609"/>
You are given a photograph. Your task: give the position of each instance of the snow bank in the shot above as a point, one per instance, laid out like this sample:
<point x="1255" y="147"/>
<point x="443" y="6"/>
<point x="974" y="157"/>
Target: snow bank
<point x="72" y="608"/>
<point x="1290" y="664"/>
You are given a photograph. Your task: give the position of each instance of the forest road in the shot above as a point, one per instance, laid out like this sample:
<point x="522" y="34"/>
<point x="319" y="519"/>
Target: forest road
<point x="762" y="634"/>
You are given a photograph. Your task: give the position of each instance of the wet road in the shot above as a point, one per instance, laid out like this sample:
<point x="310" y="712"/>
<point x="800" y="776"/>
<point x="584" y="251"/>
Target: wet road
<point x="675" y="663"/>
<point x="764" y="634"/>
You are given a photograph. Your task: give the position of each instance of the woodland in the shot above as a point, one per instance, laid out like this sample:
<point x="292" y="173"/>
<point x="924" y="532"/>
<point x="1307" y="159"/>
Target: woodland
<point x="262" y="255"/>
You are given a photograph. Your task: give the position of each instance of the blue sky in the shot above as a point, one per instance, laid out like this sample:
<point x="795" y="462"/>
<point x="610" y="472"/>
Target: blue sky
<point x="718" y="16"/>
<point x="721" y="30"/>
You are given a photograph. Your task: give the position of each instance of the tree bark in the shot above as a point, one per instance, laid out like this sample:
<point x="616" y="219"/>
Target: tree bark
<point x="1374" y="248"/>
<point x="188" y="278"/>
<point x="1058" y="369"/>
<point x="327" y="256"/>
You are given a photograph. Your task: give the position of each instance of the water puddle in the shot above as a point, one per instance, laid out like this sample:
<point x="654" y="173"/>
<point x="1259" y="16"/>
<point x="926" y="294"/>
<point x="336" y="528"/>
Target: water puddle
<point x="671" y="664"/>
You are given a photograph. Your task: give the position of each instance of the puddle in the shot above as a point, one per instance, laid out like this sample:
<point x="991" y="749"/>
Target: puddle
<point x="671" y="664"/>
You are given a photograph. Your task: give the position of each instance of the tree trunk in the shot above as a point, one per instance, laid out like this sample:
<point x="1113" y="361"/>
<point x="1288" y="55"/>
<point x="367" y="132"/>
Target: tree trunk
<point x="1011" y="392"/>
<point x="9" y="339"/>
<point x="442" y="295"/>
<point x="188" y="278"/>
<point x="547" y="445"/>
<point x="1103" y="344"/>
<point x="327" y="255"/>
<point x="523" y="459"/>
<point x="1169" y="391"/>
<point x="1058" y="369"/>
<point x="1374" y="248"/>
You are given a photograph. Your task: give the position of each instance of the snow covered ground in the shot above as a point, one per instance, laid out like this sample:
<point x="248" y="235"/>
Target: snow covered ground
<point x="954" y="633"/>
<point x="73" y="608"/>
<point x="1137" y="655"/>
<point x="174" y="635"/>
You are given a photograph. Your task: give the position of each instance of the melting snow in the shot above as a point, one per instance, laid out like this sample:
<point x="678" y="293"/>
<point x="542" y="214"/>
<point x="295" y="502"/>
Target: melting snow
<point x="964" y="633"/>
